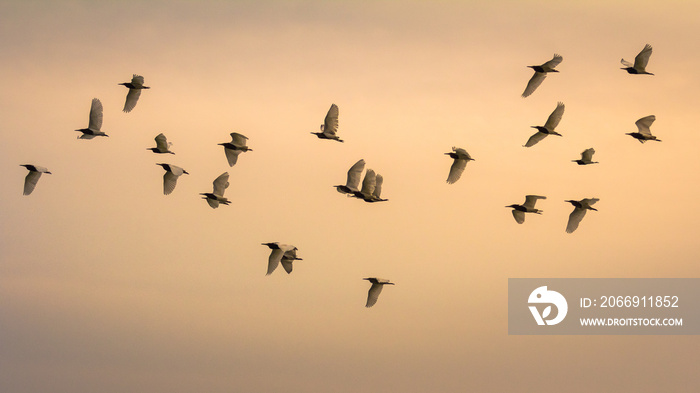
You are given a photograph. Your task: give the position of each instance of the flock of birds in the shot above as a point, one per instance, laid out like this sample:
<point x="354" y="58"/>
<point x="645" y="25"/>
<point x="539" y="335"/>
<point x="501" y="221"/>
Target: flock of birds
<point x="371" y="188"/>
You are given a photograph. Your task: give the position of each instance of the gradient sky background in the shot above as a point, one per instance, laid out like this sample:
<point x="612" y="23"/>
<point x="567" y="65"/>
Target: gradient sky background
<point x="108" y="285"/>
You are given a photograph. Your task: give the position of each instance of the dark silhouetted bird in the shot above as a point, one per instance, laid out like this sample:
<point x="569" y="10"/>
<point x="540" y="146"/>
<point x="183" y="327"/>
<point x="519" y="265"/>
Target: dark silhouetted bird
<point x="549" y="126"/>
<point x="95" y="123"/>
<point x="579" y="212"/>
<point x="32" y="177"/>
<point x="644" y="133"/>
<point x="237" y="145"/>
<point x="527" y="207"/>
<point x="135" y="87"/>
<point x="285" y="253"/>
<point x="353" y="182"/>
<point x="217" y="197"/>
<point x="329" y="128"/>
<point x="640" y="62"/>
<point x="461" y="158"/>
<point x="541" y="73"/>
<point x="586" y="157"/>
<point x="375" y="289"/>
<point x="172" y="172"/>
<point x="162" y="145"/>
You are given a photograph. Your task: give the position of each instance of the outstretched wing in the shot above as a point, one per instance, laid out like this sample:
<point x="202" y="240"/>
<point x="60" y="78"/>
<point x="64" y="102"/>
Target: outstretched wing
<point x="519" y="216"/>
<point x="554" y="62"/>
<point x="132" y="97"/>
<point x="232" y="156"/>
<point x="213" y="203"/>
<point x="379" y="180"/>
<point x="162" y="142"/>
<point x="538" y="136"/>
<point x="169" y="182"/>
<point x="95" y="123"/>
<point x="589" y="201"/>
<point x="554" y="119"/>
<point x="369" y="182"/>
<point x="137" y="80"/>
<point x="626" y="63"/>
<point x="534" y="83"/>
<point x="456" y="170"/>
<point x="587" y="155"/>
<point x="330" y="123"/>
<point x="530" y="200"/>
<point x="354" y="175"/>
<point x="30" y="181"/>
<point x="221" y="184"/>
<point x="274" y="260"/>
<point x="373" y="294"/>
<point x="238" y="140"/>
<point x="644" y="123"/>
<point x="642" y="59"/>
<point x="574" y="219"/>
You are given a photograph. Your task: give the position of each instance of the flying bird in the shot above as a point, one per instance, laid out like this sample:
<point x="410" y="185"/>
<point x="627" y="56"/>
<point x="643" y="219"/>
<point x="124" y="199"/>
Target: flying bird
<point x="162" y="145"/>
<point x="371" y="188"/>
<point x="541" y="73"/>
<point x="461" y="158"/>
<point x="375" y="289"/>
<point x="644" y="133"/>
<point x="285" y="253"/>
<point x="376" y="194"/>
<point x="217" y="197"/>
<point x="527" y="207"/>
<point x="586" y="157"/>
<point x="549" y="126"/>
<point x="135" y="87"/>
<point x="95" y="123"/>
<point x="33" y="176"/>
<point x="172" y="172"/>
<point x="640" y="62"/>
<point x="235" y="147"/>
<point x="579" y="212"/>
<point x="329" y="128"/>
<point x="353" y="182"/>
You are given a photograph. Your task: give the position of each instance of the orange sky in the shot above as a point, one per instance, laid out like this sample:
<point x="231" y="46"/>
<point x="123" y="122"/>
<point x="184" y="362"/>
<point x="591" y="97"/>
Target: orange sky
<point x="108" y="285"/>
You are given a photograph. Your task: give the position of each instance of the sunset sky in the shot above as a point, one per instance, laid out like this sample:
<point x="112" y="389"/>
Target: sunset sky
<point x="107" y="285"/>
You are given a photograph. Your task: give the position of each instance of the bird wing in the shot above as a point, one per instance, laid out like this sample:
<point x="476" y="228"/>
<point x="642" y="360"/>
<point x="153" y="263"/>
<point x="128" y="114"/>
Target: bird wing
<point x="274" y="260"/>
<point x="95" y="123"/>
<point x="212" y="202"/>
<point x="641" y="60"/>
<point x="287" y="265"/>
<point x="589" y="201"/>
<point x="534" y="83"/>
<point x="132" y="97"/>
<point x="379" y="180"/>
<point x="626" y="63"/>
<point x="330" y="123"/>
<point x="644" y="123"/>
<point x="137" y="80"/>
<point x="30" y="181"/>
<point x="554" y="119"/>
<point x="373" y="294"/>
<point x="221" y="184"/>
<point x="456" y="170"/>
<point x="232" y="156"/>
<point x="369" y="182"/>
<point x="354" y="175"/>
<point x="574" y="219"/>
<point x="169" y="182"/>
<point x="531" y="199"/>
<point x="86" y="136"/>
<point x="519" y="216"/>
<point x="538" y="136"/>
<point x="162" y="142"/>
<point x="176" y="170"/>
<point x="238" y="140"/>
<point x="587" y="155"/>
<point x="554" y="62"/>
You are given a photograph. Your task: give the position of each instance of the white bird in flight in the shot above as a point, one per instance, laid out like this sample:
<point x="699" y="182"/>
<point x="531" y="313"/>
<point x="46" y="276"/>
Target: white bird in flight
<point x="217" y="196"/>
<point x="172" y="172"/>
<point x="162" y="145"/>
<point x="461" y="158"/>
<point x="548" y="129"/>
<point x="353" y="181"/>
<point x="371" y="188"/>
<point x="541" y="73"/>
<point x="95" y="123"/>
<point x="579" y="212"/>
<point x="329" y="128"/>
<point x="527" y="207"/>
<point x="285" y="253"/>
<point x="135" y="87"/>
<point x="586" y="157"/>
<point x="644" y="132"/>
<point x="375" y="289"/>
<point x="32" y="177"/>
<point x="640" y="62"/>
<point x="237" y="145"/>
